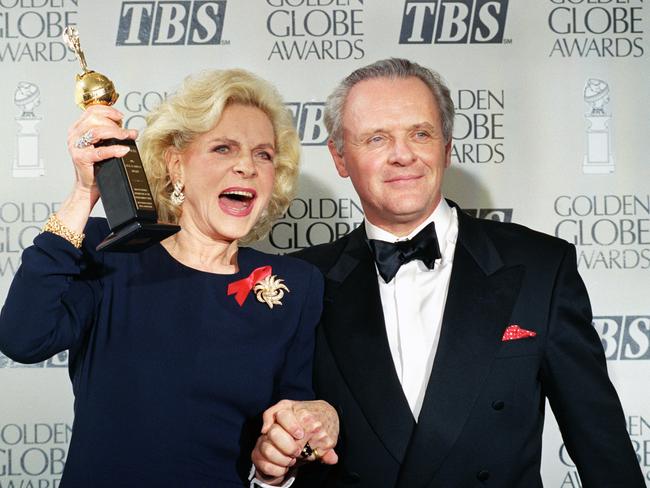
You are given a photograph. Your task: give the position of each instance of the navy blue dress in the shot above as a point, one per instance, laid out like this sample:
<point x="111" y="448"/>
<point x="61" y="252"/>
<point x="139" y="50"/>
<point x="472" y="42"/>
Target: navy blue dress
<point x="169" y="373"/>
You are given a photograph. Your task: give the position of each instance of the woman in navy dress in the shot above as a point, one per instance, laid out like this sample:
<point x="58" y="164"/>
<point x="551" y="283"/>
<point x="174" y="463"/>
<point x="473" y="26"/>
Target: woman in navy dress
<point x="176" y="350"/>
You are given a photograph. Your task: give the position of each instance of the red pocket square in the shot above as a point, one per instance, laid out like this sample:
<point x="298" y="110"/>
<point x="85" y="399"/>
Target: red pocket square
<point x="514" y="332"/>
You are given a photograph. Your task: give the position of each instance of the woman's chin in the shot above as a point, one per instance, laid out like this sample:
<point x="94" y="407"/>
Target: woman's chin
<point x="220" y="225"/>
<point x="233" y="228"/>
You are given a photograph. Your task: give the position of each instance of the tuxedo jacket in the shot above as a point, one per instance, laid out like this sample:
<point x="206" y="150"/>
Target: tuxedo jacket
<point x="483" y="412"/>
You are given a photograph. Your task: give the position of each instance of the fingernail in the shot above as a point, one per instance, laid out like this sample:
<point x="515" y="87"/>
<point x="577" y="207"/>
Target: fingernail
<point x="299" y="434"/>
<point x="123" y="150"/>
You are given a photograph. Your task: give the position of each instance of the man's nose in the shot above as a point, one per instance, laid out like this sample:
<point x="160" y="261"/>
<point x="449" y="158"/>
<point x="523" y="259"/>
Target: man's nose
<point x="402" y="152"/>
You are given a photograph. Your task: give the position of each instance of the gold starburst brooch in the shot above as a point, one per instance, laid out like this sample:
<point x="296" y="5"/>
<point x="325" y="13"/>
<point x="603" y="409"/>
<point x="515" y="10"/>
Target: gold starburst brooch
<point x="270" y="290"/>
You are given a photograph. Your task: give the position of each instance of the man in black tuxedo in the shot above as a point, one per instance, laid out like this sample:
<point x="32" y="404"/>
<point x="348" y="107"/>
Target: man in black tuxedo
<point x="443" y="335"/>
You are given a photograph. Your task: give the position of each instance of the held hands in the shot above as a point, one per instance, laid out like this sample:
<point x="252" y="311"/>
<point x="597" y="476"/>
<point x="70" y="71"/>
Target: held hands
<point x="98" y="122"/>
<point x="288" y="427"/>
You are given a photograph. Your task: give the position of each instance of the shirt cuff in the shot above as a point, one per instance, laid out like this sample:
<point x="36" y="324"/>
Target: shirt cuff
<point x="255" y="483"/>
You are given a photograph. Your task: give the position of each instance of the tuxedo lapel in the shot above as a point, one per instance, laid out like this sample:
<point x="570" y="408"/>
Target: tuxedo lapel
<point x="356" y="335"/>
<point x="482" y="293"/>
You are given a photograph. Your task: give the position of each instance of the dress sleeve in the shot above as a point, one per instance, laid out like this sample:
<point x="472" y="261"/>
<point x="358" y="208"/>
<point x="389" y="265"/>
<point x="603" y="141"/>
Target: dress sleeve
<point x="584" y="401"/>
<point x="51" y="300"/>
<point x="295" y="380"/>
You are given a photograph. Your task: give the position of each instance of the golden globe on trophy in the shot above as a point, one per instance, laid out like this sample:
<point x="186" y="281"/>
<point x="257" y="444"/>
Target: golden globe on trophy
<point x="122" y="182"/>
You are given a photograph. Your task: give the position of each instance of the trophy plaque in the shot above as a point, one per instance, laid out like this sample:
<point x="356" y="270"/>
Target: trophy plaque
<point x="122" y="182"/>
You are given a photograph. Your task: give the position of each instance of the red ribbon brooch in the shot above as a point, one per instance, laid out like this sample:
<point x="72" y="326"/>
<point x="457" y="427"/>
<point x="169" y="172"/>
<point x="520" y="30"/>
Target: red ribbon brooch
<point x="268" y="288"/>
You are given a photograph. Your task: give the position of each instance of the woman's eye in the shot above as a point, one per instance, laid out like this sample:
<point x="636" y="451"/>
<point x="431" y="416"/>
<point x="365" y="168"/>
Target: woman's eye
<point x="265" y="155"/>
<point x="222" y="149"/>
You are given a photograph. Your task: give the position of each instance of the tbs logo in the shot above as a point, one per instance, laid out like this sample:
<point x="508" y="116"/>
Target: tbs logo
<point x="453" y="21"/>
<point x="624" y="337"/>
<point x="497" y="214"/>
<point x="169" y="23"/>
<point x="308" y="120"/>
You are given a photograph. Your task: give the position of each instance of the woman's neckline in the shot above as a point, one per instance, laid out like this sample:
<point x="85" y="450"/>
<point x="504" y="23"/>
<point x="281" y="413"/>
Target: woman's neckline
<point x="181" y="265"/>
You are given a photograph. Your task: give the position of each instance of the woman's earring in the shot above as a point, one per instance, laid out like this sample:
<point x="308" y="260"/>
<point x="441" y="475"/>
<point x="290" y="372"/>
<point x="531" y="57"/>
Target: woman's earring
<point x="177" y="197"/>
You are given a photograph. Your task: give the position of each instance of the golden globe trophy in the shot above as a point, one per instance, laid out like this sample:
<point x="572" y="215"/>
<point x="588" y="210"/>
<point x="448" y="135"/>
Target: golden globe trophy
<point x="122" y="182"/>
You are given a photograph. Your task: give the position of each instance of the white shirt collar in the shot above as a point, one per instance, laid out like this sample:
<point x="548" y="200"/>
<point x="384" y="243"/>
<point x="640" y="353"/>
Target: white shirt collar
<point x="442" y="216"/>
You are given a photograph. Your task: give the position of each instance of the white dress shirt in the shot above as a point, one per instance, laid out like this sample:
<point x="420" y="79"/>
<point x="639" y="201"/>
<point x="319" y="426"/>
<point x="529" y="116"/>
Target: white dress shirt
<point x="413" y="303"/>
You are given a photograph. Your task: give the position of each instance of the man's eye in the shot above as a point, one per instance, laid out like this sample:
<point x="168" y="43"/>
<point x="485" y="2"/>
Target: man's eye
<point x="375" y="139"/>
<point x="421" y="134"/>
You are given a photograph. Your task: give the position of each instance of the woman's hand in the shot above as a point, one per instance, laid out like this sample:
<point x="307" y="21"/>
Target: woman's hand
<point x="288" y="427"/>
<point x="98" y="122"/>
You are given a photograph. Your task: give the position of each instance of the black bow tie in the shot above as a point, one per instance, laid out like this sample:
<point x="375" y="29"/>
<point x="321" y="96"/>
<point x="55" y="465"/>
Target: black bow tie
<point x="389" y="256"/>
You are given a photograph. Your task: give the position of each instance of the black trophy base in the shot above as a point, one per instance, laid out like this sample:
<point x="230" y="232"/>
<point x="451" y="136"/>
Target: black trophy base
<point x="136" y="236"/>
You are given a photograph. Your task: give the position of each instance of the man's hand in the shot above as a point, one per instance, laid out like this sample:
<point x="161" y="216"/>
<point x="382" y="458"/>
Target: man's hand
<point x="288" y="426"/>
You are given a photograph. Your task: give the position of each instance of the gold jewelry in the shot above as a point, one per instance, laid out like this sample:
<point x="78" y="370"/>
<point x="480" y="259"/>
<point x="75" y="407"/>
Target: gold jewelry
<point x="314" y="451"/>
<point x="56" y="227"/>
<point x="270" y="290"/>
<point x="306" y="451"/>
<point x="177" y="197"/>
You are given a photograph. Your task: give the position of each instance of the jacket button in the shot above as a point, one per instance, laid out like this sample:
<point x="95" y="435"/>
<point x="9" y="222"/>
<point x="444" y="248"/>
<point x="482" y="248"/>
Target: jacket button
<point x="498" y="405"/>
<point x="483" y="475"/>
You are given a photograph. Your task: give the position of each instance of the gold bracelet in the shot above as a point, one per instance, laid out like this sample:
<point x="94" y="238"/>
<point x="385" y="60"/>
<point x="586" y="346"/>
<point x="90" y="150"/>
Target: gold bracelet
<point x="55" y="226"/>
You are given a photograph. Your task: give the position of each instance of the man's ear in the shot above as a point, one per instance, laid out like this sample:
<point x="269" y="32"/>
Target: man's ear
<point x="338" y="159"/>
<point x="448" y="147"/>
<point x="174" y="166"/>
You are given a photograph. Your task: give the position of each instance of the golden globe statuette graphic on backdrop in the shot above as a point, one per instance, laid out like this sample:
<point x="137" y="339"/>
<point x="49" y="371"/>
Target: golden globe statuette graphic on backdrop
<point x="598" y="159"/>
<point x="28" y="162"/>
<point x="122" y="182"/>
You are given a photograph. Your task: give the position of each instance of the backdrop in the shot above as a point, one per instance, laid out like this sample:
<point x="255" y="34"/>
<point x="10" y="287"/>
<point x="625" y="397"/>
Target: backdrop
<point x="552" y="132"/>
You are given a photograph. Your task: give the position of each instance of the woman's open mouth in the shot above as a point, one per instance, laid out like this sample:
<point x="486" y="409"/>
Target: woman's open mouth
<point x="237" y="201"/>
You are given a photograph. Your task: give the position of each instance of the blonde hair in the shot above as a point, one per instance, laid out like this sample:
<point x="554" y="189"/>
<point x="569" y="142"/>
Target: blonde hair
<point x="195" y="109"/>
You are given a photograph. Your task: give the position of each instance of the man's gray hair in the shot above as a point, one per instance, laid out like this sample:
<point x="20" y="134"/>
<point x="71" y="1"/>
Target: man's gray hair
<point x="393" y="68"/>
